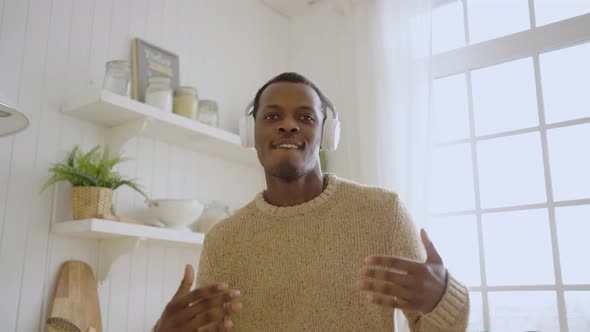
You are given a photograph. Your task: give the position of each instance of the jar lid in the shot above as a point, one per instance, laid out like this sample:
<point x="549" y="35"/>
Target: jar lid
<point x="185" y="90"/>
<point x="159" y="79"/>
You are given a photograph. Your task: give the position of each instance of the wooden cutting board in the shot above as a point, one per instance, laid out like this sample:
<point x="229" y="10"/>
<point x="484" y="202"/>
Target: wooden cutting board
<point x="75" y="305"/>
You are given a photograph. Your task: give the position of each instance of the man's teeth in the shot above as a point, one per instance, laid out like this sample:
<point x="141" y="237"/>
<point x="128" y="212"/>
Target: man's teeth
<point x="288" y="146"/>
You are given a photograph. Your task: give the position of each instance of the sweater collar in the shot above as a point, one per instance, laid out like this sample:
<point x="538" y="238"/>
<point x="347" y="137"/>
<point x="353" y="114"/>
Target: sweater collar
<point x="288" y="211"/>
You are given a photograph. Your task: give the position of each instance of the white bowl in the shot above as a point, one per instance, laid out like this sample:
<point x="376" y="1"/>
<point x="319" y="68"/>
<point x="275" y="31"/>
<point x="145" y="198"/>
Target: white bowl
<point x="176" y="213"/>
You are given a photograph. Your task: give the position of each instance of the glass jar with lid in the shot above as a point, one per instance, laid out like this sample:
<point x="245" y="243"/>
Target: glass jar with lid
<point x="208" y="113"/>
<point x="159" y="93"/>
<point x="186" y="102"/>
<point x="117" y="78"/>
<point x="212" y="214"/>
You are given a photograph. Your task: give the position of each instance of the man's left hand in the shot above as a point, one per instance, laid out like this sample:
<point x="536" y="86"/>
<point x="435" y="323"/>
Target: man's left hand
<point x="417" y="286"/>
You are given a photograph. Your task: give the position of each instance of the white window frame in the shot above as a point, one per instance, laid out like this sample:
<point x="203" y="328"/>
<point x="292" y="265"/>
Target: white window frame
<point x="519" y="45"/>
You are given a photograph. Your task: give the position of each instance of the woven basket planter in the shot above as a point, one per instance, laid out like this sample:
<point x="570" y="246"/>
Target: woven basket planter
<point x="91" y="202"/>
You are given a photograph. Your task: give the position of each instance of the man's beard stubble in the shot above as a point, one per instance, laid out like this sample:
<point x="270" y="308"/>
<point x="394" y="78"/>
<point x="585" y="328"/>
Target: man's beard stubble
<point x="287" y="170"/>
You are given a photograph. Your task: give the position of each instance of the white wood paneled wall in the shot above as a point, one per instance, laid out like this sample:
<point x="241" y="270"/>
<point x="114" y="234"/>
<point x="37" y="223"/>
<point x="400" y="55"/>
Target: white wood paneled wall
<point x="53" y="49"/>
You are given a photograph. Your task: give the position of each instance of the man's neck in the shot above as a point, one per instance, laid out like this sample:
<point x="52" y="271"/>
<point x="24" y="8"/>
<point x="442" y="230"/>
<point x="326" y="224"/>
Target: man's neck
<point x="282" y="192"/>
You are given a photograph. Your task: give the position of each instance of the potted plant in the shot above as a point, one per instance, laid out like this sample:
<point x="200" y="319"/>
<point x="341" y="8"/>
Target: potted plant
<point x="93" y="179"/>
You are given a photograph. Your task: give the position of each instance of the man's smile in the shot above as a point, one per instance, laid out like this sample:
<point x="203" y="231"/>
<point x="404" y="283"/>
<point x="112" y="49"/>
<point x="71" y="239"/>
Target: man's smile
<point x="287" y="146"/>
<point x="287" y="143"/>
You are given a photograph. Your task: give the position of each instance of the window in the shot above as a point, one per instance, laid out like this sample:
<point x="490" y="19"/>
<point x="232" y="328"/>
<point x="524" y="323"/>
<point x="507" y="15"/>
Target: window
<point x="511" y="159"/>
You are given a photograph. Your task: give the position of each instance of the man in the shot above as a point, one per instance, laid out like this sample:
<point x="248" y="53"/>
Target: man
<point x="313" y="251"/>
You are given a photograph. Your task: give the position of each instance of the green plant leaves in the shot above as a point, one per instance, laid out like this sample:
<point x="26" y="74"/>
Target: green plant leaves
<point x="91" y="169"/>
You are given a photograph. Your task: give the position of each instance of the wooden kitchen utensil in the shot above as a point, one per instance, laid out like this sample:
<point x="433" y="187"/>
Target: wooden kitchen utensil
<point x="75" y="305"/>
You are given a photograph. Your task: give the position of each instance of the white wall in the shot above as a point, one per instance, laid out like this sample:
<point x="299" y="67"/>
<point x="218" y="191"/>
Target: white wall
<point x="50" y="50"/>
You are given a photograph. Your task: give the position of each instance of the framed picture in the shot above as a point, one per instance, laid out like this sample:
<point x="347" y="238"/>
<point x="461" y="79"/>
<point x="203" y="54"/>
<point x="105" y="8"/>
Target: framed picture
<point x="148" y="60"/>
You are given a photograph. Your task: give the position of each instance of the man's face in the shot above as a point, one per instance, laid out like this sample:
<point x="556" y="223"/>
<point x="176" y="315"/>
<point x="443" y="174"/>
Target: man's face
<point x="288" y="129"/>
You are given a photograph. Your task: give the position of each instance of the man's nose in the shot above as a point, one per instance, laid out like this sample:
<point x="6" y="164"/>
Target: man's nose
<point x="289" y="126"/>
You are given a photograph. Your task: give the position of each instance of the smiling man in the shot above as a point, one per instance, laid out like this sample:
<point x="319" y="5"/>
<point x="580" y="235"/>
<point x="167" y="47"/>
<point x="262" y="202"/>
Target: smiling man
<point x="314" y="252"/>
<point x="288" y="130"/>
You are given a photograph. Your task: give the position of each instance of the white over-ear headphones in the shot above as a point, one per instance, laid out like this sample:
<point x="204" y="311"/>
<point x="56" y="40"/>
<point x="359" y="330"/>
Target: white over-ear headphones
<point x="330" y="130"/>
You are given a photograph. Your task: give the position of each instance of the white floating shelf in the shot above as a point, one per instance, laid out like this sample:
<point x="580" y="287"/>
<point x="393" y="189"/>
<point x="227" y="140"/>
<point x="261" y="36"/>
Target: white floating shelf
<point x="128" y="117"/>
<point x="119" y="238"/>
<point x="108" y="229"/>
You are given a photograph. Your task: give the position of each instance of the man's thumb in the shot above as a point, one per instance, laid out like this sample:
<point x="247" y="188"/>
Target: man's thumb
<point x="431" y="253"/>
<point x="187" y="281"/>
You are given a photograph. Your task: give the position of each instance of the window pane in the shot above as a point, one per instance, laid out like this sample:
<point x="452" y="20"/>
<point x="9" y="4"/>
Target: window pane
<point x="577" y="306"/>
<point x="511" y="171"/>
<point x="504" y="97"/>
<point x="484" y="17"/>
<point x="448" y="29"/>
<point x="455" y="239"/>
<point x="549" y="11"/>
<point x="573" y="228"/>
<point x="475" y="312"/>
<point x="570" y="161"/>
<point x="450" y="116"/>
<point x="523" y="311"/>
<point x="517" y="248"/>
<point x="565" y="77"/>
<point x="452" y="179"/>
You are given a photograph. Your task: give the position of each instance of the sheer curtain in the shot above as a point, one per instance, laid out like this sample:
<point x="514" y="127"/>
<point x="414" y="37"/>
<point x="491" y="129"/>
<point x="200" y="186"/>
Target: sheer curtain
<point x="392" y="69"/>
<point x="392" y="74"/>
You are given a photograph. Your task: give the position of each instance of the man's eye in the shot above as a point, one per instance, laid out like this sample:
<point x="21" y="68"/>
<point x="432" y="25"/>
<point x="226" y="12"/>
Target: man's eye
<point x="271" y="117"/>
<point x="307" y="117"/>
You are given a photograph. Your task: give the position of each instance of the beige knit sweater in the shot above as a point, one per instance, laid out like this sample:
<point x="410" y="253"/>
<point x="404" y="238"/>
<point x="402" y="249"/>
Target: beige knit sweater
<point x="296" y="267"/>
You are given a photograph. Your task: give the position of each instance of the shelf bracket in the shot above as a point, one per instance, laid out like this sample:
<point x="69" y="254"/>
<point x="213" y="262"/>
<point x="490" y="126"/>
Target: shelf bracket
<point x="110" y="250"/>
<point x="118" y="136"/>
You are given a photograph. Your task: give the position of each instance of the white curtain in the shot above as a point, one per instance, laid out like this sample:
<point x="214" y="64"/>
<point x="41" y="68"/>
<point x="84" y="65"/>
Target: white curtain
<point x="391" y="129"/>
<point x="391" y="149"/>
<point x="392" y="69"/>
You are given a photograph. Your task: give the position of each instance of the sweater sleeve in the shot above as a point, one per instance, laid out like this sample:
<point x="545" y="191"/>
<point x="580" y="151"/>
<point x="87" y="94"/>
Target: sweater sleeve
<point x="452" y="312"/>
<point x="205" y="273"/>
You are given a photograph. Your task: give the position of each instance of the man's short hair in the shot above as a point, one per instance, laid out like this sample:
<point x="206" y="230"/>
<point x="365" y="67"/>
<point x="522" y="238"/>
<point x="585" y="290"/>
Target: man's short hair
<point x="292" y="77"/>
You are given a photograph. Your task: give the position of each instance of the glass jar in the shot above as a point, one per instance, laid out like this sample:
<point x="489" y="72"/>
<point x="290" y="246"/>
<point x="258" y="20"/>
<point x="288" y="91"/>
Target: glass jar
<point x="212" y="214"/>
<point x="159" y="93"/>
<point x="208" y="113"/>
<point x="117" y="78"/>
<point x="186" y="102"/>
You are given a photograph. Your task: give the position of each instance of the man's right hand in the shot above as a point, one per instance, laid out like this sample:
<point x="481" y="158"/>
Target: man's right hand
<point x="202" y="309"/>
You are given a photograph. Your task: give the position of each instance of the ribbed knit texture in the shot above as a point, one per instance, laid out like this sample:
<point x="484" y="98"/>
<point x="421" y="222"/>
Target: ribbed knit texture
<point x="296" y="267"/>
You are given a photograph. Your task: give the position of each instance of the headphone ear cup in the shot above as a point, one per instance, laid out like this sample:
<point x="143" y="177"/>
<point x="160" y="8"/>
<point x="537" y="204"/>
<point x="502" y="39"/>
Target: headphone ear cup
<point x="247" y="131"/>
<point x="251" y="139"/>
<point x="330" y="134"/>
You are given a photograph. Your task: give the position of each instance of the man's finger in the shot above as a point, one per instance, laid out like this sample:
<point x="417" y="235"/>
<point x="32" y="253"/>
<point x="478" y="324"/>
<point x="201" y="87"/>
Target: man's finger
<point x="218" y="301"/>
<point x="215" y="315"/>
<point x="388" y="276"/>
<point x="201" y="294"/>
<point x="187" y="281"/>
<point x="386" y="288"/>
<point x="398" y="263"/>
<point x="432" y="255"/>
<point x="388" y="301"/>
